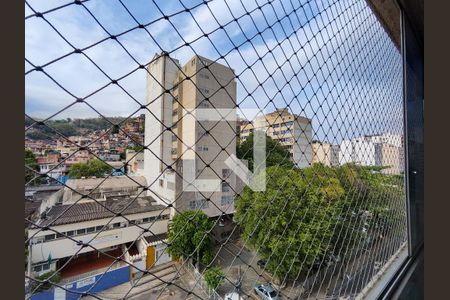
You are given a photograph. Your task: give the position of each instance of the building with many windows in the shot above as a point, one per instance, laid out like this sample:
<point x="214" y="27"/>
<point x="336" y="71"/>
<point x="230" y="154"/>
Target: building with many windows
<point x="181" y="147"/>
<point x="292" y="131"/>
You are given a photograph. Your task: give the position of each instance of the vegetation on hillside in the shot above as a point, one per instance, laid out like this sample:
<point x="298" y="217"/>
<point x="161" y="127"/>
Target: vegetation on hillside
<point x="94" y="167"/>
<point x="69" y="127"/>
<point x="30" y="165"/>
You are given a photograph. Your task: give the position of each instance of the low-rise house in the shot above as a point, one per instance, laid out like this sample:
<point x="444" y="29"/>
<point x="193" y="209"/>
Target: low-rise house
<point x="115" y="227"/>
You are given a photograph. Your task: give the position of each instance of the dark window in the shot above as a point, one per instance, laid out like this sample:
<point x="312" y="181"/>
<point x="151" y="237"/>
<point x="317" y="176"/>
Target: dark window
<point x="81" y="231"/>
<point x="49" y="237"/>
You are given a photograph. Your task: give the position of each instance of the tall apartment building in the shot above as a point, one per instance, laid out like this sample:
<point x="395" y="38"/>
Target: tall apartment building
<point x="374" y="150"/>
<point x="292" y="131"/>
<point x="325" y="153"/>
<point x="180" y="144"/>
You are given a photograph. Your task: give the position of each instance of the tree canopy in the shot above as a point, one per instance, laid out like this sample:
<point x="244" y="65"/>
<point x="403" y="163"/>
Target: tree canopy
<point x="30" y="163"/>
<point x="214" y="277"/>
<point x="276" y="154"/>
<point x="94" y="167"/>
<point x="298" y="220"/>
<point x="189" y="235"/>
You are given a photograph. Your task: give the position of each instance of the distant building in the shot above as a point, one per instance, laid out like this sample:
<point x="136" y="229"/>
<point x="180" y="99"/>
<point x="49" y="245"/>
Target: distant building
<point x="52" y="166"/>
<point x="376" y="150"/>
<point x="292" y="131"/>
<point x="326" y="153"/>
<point x="135" y="162"/>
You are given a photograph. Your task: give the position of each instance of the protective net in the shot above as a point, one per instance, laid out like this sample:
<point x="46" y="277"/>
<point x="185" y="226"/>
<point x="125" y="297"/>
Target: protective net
<point x="211" y="149"/>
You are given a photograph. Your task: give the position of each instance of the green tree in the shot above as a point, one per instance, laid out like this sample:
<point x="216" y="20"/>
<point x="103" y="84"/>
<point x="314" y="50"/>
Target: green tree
<point x="30" y="163"/>
<point x="290" y="221"/>
<point x="276" y="154"/>
<point x="93" y="167"/>
<point x="214" y="277"/>
<point x="189" y="235"/>
<point x="137" y="148"/>
<point x="52" y="277"/>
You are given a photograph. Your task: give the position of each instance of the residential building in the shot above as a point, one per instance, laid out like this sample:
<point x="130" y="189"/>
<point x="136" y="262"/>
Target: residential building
<point x="325" y="153"/>
<point x="135" y="162"/>
<point x="52" y="166"/>
<point x="117" y="221"/>
<point x="374" y="150"/>
<point x="189" y="145"/>
<point x="292" y="131"/>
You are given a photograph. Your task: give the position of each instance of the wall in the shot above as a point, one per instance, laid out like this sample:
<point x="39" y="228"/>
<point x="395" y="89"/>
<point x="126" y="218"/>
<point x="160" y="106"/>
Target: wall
<point x="98" y="283"/>
<point x="64" y="247"/>
<point x="157" y="118"/>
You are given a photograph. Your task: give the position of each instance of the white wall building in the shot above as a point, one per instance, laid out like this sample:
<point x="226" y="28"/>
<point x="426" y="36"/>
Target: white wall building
<point x="376" y="150"/>
<point x="158" y="117"/>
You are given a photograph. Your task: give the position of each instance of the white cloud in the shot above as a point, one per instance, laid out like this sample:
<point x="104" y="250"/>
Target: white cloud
<point x="312" y="47"/>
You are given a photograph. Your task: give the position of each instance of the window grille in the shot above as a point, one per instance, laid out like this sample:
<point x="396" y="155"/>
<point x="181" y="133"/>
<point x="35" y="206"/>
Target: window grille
<point x="326" y="74"/>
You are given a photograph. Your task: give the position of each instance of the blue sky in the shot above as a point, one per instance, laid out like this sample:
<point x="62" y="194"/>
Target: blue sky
<point x="306" y="69"/>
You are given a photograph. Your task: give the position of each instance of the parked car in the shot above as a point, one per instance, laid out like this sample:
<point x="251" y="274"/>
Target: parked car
<point x="261" y="263"/>
<point x="233" y="296"/>
<point x="266" y="292"/>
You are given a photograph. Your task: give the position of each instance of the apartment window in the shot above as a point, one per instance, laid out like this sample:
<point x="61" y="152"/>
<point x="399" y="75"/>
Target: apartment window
<point x="116" y="225"/>
<point x="98" y="228"/>
<point x="198" y="204"/>
<point x="70" y="233"/>
<point x="226" y="172"/>
<point x="90" y="230"/>
<point x="204" y="104"/>
<point x="287" y="124"/>
<point x="204" y="91"/>
<point x="225" y="187"/>
<point x="226" y="200"/>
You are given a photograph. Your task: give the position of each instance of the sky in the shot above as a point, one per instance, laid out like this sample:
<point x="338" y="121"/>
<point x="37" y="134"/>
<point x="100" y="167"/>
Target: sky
<point x="327" y="60"/>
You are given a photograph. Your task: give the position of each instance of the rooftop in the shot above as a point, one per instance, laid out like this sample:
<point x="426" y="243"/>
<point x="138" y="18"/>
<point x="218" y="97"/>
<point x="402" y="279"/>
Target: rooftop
<point x="115" y="182"/>
<point x="94" y="210"/>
